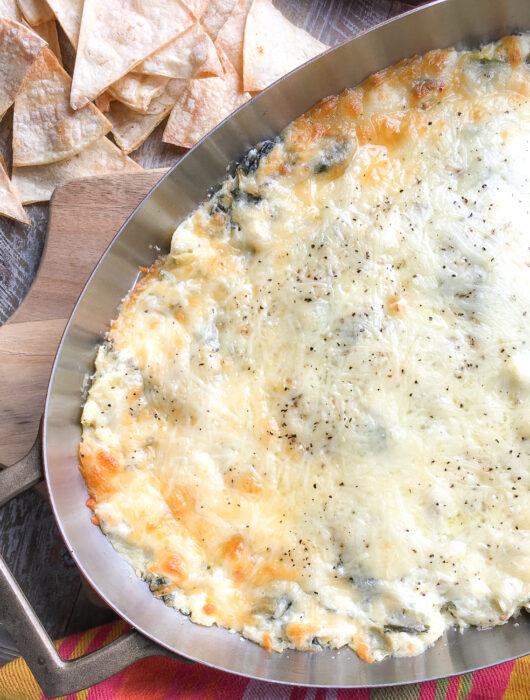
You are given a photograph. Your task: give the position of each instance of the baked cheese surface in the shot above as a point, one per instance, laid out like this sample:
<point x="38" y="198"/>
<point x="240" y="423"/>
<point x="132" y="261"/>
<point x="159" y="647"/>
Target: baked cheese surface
<point x="310" y="422"/>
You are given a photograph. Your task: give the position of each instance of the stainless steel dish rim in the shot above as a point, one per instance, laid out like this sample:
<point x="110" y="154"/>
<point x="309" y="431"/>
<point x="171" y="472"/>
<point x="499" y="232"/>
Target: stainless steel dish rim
<point x="191" y="628"/>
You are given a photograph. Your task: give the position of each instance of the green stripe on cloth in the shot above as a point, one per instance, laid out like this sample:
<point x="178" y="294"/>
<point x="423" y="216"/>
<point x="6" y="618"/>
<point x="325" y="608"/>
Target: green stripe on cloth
<point x="400" y="692"/>
<point x="442" y="684"/>
<point x="466" y="683"/>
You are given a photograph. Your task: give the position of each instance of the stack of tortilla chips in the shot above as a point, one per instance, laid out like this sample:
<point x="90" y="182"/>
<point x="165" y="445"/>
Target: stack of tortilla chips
<point x="137" y="61"/>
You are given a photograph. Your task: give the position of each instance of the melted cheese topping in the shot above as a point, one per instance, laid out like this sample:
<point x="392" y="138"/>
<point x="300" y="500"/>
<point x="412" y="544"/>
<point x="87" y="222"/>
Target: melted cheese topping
<point x="309" y="422"/>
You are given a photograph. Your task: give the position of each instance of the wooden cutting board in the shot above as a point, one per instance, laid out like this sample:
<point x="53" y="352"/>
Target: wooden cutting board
<point x="84" y="217"/>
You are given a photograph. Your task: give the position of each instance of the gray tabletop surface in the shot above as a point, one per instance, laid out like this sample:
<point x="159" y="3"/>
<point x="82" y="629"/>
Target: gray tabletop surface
<point x="29" y="539"/>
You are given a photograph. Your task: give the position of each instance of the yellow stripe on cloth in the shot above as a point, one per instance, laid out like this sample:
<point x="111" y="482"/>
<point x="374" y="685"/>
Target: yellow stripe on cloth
<point x="466" y="681"/>
<point x="18" y="683"/>
<point x="518" y="687"/>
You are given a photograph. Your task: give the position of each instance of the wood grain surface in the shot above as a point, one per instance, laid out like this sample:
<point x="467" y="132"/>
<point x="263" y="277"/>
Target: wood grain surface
<point x="84" y="217"/>
<point x="79" y="230"/>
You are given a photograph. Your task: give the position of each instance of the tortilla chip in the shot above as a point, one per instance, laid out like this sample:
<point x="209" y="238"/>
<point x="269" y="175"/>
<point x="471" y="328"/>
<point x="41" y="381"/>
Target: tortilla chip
<point x="130" y="129"/>
<point x="215" y="15"/>
<point x="48" y="32"/>
<point x="103" y="101"/>
<point x="137" y="91"/>
<point x="10" y="205"/>
<point x="35" y="11"/>
<point x="197" y="7"/>
<point x="190" y="55"/>
<point x="68" y="14"/>
<point x="132" y="89"/>
<point x="37" y="183"/>
<point x="230" y="37"/>
<point x="116" y="35"/>
<point x="10" y="10"/>
<point x="202" y="105"/>
<point x="45" y="128"/>
<point x="273" y="46"/>
<point x="19" y="47"/>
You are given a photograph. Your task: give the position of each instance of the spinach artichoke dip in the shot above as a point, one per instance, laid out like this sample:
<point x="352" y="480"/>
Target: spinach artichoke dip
<point x="310" y="422"/>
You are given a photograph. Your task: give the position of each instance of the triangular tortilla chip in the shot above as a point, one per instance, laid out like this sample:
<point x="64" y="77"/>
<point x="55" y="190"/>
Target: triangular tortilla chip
<point x="133" y="90"/>
<point x="215" y="15"/>
<point x="68" y="13"/>
<point x="230" y="37"/>
<point x="19" y="47"/>
<point x="35" y="11"/>
<point x="202" y="105"/>
<point x="37" y="183"/>
<point x="10" y="10"/>
<point x="48" y="32"/>
<point x="103" y="101"/>
<point x="137" y="91"/>
<point x="130" y="129"/>
<point x="9" y="202"/>
<point x="190" y="55"/>
<point x="273" y="46"/>
<point x="116" y="35"/>
<point x="45" y="128"/>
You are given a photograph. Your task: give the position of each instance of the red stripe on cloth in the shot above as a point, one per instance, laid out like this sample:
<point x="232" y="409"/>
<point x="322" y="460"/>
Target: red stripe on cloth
<point x="107" y="689"/>
<point x="68" y="645"/>
<point x="491" y="683"/>
<point x="353" y="694"/>
<point x="181" y="683"/>
<point x="147" y="679"/>
<point x="189" y="682"/>
<point x="428" y="691"/>
<point x="100" y="638"/>
<point x="193" y="685"/>
<point x="452" y="688"/>
<point x="297" y="694"/>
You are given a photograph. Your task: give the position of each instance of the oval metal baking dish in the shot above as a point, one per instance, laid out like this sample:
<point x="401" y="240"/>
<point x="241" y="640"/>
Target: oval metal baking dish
<point x="460" y="23"/>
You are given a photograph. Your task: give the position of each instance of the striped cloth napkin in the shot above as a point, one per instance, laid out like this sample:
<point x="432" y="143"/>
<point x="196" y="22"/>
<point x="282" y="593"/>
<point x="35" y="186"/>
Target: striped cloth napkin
<point x="159" y="678"/>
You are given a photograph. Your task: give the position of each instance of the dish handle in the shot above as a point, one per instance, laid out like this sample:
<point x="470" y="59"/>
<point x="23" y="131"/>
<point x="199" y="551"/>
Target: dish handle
<point x="55" y="675"/>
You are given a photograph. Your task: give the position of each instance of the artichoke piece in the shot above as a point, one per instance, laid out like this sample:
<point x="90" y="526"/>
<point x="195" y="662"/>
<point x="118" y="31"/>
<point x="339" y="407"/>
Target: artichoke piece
<point x="407" y="629"/>
<point x="272" y="607"/>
